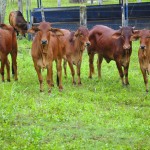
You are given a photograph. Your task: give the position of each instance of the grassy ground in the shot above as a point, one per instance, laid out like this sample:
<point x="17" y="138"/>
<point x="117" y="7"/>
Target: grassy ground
<point x="100" y="114"/>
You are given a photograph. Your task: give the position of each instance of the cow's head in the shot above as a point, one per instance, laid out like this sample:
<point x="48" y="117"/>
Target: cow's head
<point x="22" y="27"/>
<point x="144" y="36"/>
<point x="82" y="34"/>
<point x="125" y="33"/>
<point x="43" y="32"/>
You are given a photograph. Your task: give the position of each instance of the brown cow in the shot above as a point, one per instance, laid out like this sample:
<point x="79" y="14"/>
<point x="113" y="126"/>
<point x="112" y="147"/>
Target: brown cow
<point x="144" y="53"/>
<point x="8" y="44"/>
<point x="45" y="49"/>
<point x="18" y="22"/>
<point x="112" y="45"/>
<point x="75" y="45"/>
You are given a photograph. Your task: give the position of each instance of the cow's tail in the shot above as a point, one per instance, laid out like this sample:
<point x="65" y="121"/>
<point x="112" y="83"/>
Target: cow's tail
<point x="57" y="80"/>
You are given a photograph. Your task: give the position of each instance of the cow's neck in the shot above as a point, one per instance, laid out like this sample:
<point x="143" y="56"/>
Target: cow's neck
<point x="79" y="46"/>
<point x="148" y="50"/>
<point x="44" y="54"/>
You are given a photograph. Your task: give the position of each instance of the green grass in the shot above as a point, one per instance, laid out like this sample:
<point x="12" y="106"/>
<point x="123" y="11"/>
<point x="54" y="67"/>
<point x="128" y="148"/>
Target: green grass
<point x="99" y="115"/>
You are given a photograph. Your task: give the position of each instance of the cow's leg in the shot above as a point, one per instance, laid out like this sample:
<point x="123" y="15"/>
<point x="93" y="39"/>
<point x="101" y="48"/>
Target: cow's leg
<point x="17" y="32"/>
<point x="120" y="71"/>
<point x="59" y="73"/>
<point x="145" y="78"/>
<point x="13" y="72"/>
<point x="3" y="61"/>
<point x="78" y="72"/>
<point x="49" y="76"/>
<point x="8" y="69"/>
<point x="52" y="81"/>
<point x="38" y="70"/>
<point x="72" y="70"/>
<point x="99" y="63"/>
<point x="14" y="63"/>
<point x="65" y="67"/>
<point x="91" y="66"/>
<point x="126" y="74"/>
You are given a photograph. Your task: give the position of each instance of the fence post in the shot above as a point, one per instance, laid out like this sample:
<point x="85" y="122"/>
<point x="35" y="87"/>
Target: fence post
<point x="83" y="16"/>
<point x="59" y="3"/>
<point x="126" y="13"/>
<point x="42" y="14"/>
<point x="20" y="6"/>
<point x="2" y="10"/>
<point x="100" y="2"/>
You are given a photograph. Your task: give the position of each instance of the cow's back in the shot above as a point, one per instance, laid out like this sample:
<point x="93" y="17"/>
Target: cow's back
<point x="102" y="42"/>
<point x="65" y="41"/>
<point x="57" y="46"/>
<point x="7" y="40"/>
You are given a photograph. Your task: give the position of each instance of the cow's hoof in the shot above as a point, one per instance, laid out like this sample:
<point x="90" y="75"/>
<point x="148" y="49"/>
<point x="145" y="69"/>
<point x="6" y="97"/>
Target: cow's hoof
<point x="8" y="80"/>
<point x="90" y="77"/>
<point x="79" y="83"/>
<point x="60" y="89"/>
<point x="41" y="90"/>
<point x="52" y="84"/>
<point x="74" y="83"/>
<point x="49" y="91"/>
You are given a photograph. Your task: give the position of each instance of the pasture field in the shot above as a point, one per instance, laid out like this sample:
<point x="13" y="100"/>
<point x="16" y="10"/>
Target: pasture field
<point x="98" y="115"/>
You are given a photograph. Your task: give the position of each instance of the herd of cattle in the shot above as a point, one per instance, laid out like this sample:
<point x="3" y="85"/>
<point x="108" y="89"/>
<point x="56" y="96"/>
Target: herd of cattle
<point x="51" y="44"/>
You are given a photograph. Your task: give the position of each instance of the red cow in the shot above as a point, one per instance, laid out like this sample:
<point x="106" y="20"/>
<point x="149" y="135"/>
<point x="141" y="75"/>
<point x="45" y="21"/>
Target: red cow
<point x="18" y="22"/>
<point x="46" y="48"/>
<point x="144" y="53"/>
<point x="75" y="45"/>
<point x="8" y="44"/>
<point x="112" y="45"/>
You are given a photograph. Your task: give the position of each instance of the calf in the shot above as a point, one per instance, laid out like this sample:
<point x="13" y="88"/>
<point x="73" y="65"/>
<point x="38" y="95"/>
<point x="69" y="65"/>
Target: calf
<point x="18" y="22"/>
<point x="45" y="49"/>
<point x="8" y="44"/>
<point x="75" y="45"/>
<point x="144" y="53"/>
<point x="112" y="45"/>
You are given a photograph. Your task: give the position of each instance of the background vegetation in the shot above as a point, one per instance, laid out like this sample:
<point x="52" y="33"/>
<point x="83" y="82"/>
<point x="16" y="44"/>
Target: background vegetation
<point x="100" y="114"/>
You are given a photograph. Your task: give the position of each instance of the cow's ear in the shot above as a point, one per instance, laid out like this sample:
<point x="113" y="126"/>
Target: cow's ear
<point x="116" y="35"/>
<point x="33" y="30"/>
<point x="58" y="32"/>
<point x="4" y="26"/>
<point x="76" y="33"/>
<point x="149" y="34"/>
<point x="136" y="32"/>
<point x="135" y="35"/>
<point x="134" y="38"/>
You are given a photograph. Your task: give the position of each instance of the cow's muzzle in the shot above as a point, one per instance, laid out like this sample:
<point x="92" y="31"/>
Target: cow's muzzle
<point x="142" y="47"/>
<point x="44" y="42"/>
<point x="126" y="47"/>
<point x="88" y="43"/>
